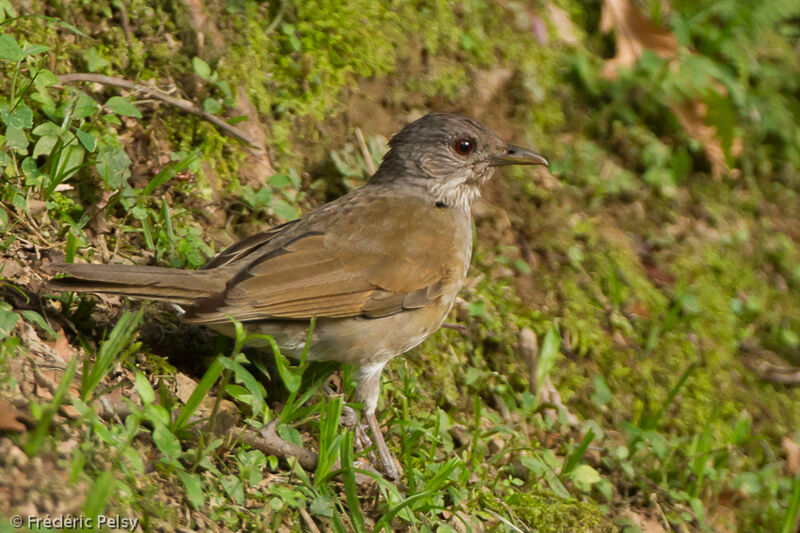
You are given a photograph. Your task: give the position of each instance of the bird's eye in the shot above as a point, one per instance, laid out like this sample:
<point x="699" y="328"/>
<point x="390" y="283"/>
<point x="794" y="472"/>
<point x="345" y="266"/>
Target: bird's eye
<point x="464" y="146"/>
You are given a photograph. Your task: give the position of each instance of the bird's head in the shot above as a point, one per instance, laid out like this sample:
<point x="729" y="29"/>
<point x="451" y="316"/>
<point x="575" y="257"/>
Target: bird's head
<point x="451" y="155"/>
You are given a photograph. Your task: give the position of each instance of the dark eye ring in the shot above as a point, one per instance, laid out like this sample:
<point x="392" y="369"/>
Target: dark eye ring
<point x="463" y="146"/>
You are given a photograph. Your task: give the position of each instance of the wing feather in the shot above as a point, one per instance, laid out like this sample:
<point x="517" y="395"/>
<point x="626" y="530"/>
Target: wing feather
<point x="339" y="267"/>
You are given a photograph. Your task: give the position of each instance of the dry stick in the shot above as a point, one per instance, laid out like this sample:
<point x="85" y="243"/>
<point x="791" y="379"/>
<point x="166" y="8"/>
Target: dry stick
<point x="365" y="152"/>
<point x="778" y="374"/>
<point x="461" y="328"/>
<point x="308" y="520"/>
<point x="158" y="94"/>
<point x="271" y="444"/>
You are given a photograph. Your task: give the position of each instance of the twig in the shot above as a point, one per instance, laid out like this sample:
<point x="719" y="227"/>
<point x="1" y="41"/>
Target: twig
<point x="461" y="328"/>
<point x="365" y="152"/>
<point x="158" y="94"/>
<point x="126" y="24"/>
<point x="768" y="366"/>
<point x="308" y="520"/>
<point x="26" y="223"/>
<point x="529" y="346"/>
<point x="785" y="375"/>
<point x="278" y="18"/>
<point x="271" y="444"/>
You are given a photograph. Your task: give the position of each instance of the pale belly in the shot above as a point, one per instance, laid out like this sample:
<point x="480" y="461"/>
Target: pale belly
<point x="356" y="341"/>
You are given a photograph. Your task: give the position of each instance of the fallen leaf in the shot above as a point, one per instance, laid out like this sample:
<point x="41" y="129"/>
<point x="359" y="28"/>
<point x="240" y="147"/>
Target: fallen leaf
<point x="9" y="269"/>
<point x="61" y="347"/>
<point x="184" y="386"/>
<point x="792" y="450"/>
<point x="692" y="115"/>
<point x="565" y="29"/>
<point x="646" y="523"/>
<point x="10" y="417"/>
<point x="635" y="34"/>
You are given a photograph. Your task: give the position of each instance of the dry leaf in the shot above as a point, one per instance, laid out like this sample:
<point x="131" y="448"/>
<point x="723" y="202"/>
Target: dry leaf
<point x="10" y="417"/>
<point x="563" y="24"/>
<point x="646" y="523"/>
<point x="635" y="34"/>
<point x="184" y="386"/>
<point x="692" y="116"/>
<point x="61" y="347"/>
<point x="792" y="450"/>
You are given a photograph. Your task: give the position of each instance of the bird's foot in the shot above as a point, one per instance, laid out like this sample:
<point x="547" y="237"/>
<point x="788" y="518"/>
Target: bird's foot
<point x="390" y="465"/>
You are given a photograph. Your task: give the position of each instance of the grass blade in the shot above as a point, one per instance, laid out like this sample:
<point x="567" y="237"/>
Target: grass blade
<point x="575" y="457"/>
<point x="36" y="439"/>
<point x="793" y="510"/>
<point x="109" y="352"/>
<point x="199" y="392"/>
<point x="350" y="487"/>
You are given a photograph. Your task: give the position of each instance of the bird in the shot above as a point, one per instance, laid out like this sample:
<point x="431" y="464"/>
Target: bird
<point x="377" y="269"/>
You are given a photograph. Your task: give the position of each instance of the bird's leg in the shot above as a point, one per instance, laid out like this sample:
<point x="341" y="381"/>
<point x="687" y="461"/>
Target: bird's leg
<point x="367" y="391"/>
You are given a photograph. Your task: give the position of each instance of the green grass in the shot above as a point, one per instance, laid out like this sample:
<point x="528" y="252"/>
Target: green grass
<point x="645" y="280"/>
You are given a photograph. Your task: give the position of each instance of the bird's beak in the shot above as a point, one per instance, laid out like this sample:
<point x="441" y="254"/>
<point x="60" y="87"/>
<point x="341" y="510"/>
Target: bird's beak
<point x="515" y="155"/>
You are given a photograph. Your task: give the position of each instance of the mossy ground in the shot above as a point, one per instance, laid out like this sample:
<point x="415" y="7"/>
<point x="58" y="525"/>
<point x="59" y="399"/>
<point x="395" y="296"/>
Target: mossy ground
<point x="653" y="278"/>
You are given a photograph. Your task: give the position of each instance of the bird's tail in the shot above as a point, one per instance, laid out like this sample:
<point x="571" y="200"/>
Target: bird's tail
<point x="153" y="283"/>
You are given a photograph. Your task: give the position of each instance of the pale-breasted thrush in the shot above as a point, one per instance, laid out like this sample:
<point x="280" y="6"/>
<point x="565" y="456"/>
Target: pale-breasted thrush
<point x="379" y="268"/>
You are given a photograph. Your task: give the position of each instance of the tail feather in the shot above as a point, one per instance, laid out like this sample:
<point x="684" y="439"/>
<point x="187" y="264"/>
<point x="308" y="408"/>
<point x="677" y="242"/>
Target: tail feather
<point x="153" y="283"/>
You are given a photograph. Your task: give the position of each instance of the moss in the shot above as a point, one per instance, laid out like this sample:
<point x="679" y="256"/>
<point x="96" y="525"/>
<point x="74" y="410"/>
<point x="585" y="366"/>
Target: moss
<point x="543" y="511"/>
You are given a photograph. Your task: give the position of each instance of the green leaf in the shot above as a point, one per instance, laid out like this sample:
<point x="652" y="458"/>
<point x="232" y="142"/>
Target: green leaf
<point x="44" y="79"/>
<point x="16" y="139"/>
<point x="551" y="347"/>
<point x="212" y="105"/>
<point x="144" y="388"/>
<point x="201" y="68"/>
<point x="477" y="309"/>
<point x="10" y="49"/>
<point x="21" y="117"/>
<point x="233" y="486"/>
<point x="36" y="49"/>
<point x="279" y="181"/>
<point x="95" y="61"/>
<point x="123" y="106"/>
<point x="193" y="484"/>
<point x="87" y="139"/>
<point x="166" y="442"/>
<point x="290" y="375"/>
<point x="584" y="476"/>
<point x="249" y="381"/>
<point x="8" y="320"/>
<point x="113" y="165"/>
<point x="602" y="394"/>
<point x="36" y="318"/>
<point x="85" y="106"/>
<point x="47" y="129"/>
<point x="44" y="145"/>
<point x="284" y="209"/>
<point x="322" y="506"/>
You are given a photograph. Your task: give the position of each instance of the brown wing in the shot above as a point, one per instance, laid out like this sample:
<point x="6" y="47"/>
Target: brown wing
<point x="342" y="267"/>
<point x="244" y="247"/>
